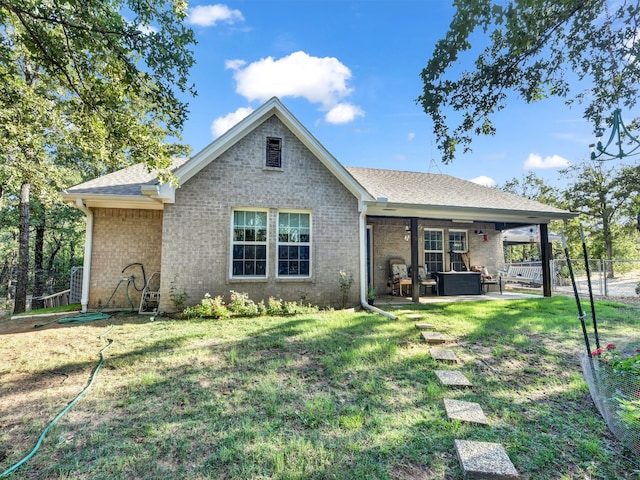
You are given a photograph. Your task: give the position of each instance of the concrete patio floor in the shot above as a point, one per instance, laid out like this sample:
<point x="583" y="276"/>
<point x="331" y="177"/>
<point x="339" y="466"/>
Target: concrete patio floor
<point x="390" y="300"/>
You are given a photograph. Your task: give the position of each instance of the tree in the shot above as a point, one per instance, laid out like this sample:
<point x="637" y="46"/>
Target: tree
<point x="535" y="188"/>
<point x="532" y="48"/>
<point x="84" y="87"/>
<point x="602" y="195"/>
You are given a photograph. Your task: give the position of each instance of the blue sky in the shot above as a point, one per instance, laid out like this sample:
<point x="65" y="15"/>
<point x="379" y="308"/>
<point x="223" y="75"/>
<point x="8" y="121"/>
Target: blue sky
<point x="350" y="72"/>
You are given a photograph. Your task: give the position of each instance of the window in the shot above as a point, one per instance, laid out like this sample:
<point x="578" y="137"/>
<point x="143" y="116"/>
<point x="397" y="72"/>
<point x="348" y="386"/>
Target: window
<point x="249" y="244"/>
<point x="294" y="244"/>
<point x="274" y="152"/>
<point x="433" y="251"/>
<point x="457" y="247"/>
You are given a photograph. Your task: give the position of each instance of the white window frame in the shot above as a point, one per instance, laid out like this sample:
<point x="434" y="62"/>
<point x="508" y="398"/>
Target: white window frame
<point x="233" y="242"/>
<point x="308" y="244"/>
<point x="466" y="241"/>
<point x="426" y="251"/>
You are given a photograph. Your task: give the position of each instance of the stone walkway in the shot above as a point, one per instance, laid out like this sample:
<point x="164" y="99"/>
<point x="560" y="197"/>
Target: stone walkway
<point x="479" y="460"/>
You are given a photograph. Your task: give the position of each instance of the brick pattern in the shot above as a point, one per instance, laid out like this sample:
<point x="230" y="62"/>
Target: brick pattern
<point x="197" y="228"/>
<point x="389" y="242"/>
<point x="121" y="237"/>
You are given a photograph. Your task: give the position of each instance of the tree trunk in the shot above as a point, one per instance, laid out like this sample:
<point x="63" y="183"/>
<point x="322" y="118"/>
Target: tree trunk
<point x="50" y="262"/>
<point x="22" y="273"/>
<point x="38" y="264"/>
<point x="608" y="246"/>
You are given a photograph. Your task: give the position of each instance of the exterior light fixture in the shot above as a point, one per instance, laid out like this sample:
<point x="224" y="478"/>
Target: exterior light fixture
<point x="619" y="134"/>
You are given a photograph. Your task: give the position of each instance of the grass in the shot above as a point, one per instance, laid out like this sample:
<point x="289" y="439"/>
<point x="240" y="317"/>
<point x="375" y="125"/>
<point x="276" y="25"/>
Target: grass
<point x="329" y="395"/>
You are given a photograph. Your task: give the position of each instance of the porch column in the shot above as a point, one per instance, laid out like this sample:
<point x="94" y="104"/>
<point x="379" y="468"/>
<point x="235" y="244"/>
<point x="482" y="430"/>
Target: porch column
<point x="415" y="284"/>
<point x="545" y="249"/>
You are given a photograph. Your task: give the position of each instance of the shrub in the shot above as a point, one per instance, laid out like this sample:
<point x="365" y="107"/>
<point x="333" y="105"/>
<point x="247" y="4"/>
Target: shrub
<point x="345" y="286"/>
<point x="274" y="306"/>
<point x="618" y="376"/>
<point x="208" y="308"/>
<point x="241" y="304"/>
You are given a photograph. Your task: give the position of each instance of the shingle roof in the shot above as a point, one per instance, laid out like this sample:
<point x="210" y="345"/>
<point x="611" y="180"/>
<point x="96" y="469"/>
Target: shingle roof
<point x="430" y="189"/>
<point x="127" y="181"/>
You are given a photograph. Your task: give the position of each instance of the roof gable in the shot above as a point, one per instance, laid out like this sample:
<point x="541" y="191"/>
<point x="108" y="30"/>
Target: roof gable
<point x="236" y="133"/>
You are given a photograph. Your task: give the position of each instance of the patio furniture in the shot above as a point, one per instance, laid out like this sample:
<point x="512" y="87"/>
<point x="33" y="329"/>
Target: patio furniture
<point x="399" y="276"/>
<point x="426" y="280"/>
<point x="486" y="280"/>
<point x="524" y="274"/>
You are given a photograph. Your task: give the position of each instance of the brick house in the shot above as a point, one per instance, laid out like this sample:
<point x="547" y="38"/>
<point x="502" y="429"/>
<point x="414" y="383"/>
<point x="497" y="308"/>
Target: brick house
<point x="265" y="209"/>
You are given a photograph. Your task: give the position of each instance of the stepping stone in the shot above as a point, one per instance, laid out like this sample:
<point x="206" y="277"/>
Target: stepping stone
<point x="434" y="337"/>
<point x="414" y="316"/>
<point x="465" y="411"/>
<point x="452" y="378"/>
<point x="444" y="355"/>
<point x="484" y="460"/>
<point x="424" y="326"/>
<point x="402" y="311"/>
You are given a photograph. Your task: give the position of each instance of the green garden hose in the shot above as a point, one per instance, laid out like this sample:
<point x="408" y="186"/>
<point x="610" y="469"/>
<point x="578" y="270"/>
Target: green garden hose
<point x="93" y="316"/>
<point x="65" y="410"/>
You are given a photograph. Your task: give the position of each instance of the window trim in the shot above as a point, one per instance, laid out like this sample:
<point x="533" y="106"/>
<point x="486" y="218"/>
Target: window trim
<point x="309" y="244"/>
<point x="441" y="252"/>
<point x="268" y="151"/>
<point x="466" y="237"/>
<point x="232" y="243"/>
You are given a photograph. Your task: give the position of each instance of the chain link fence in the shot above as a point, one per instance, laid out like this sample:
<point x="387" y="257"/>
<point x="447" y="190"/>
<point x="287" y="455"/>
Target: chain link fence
<point x="611" y="279"/>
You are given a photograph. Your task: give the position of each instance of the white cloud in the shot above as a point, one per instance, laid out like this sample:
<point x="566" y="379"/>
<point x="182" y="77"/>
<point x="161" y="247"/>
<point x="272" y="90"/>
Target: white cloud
<point x="343" y="113"/>
<point x="536" y="162"/>
<point x="222" y="124"/>
<point x="234" y="64"/>
<point x="484" y="180"/>
<point x="319" y="80"/>
<point x="209" y="15"/>
<point x="411" y="136"/>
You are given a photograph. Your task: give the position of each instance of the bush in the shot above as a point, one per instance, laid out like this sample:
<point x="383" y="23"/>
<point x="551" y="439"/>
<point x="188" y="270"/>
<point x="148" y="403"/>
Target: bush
<point x="208" y="308"/>
<point x="617" y="375"/>
<point x="242" y="306"/>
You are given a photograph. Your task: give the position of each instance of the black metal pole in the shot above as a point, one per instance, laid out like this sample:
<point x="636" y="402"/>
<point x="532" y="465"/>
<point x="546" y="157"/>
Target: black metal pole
<point x="575" y="292"/>
<point x="593" y="307"/>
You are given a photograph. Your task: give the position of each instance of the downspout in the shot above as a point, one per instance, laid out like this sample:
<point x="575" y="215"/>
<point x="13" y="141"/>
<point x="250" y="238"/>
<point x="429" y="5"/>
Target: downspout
<point x="88" y="248"/>
<point x="363" y="267"/>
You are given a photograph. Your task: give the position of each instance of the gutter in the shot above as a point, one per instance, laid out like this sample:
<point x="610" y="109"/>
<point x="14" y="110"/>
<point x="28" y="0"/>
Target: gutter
<point x="363" y="267"/>
<point x="88" y="250"/>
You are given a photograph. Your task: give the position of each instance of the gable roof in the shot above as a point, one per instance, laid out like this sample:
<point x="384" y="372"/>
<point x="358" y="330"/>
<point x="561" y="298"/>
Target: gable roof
<point x="401" y="193"/>
<point x="272" y="107"/>
<point x="133" y="181"/>
<point x="133" y="186"/>
<point x="385" y="192"/>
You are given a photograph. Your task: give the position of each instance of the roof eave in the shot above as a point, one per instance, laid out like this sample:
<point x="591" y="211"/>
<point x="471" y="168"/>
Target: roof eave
<point x="464" y="214"/>
<point x="134" y="202"/>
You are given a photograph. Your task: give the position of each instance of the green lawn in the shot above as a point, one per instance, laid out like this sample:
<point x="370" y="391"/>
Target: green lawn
<point x="328" y="395"/>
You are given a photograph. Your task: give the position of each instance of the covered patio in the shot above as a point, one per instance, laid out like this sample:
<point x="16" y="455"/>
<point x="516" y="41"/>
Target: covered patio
<point x="446" y="225"/>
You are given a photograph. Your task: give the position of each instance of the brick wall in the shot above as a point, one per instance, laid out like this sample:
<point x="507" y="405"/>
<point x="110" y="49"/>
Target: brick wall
<point x="197" y="228"/>
<point x="389" y="242"/>
<point x="121" y="237"/>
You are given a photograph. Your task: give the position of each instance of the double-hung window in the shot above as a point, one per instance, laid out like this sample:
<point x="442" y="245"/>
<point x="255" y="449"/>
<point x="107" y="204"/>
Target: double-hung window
<point x="294" y="244"/>
<point x="433" y="251"/>
<point x="457" y="246"/>
<point x="249" y="244"/>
